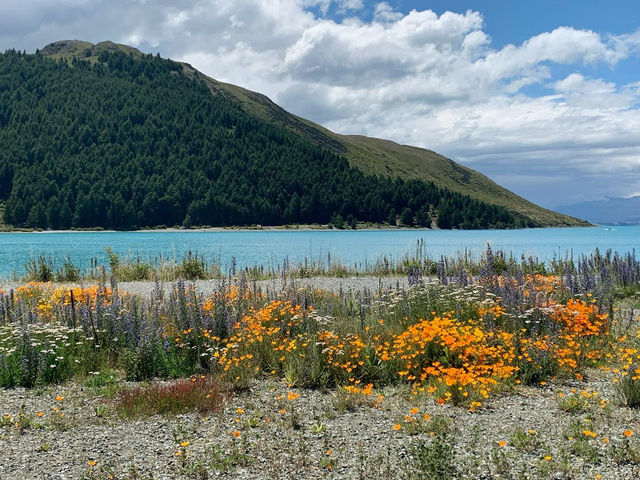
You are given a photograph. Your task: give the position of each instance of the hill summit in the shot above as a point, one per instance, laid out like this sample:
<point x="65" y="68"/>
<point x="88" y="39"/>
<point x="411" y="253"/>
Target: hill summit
<point x="106" y="136"/>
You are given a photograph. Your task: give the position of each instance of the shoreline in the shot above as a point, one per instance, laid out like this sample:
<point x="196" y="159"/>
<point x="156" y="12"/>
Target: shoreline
<point x="253" y="228"/>
<point x="299" y="228"/>
<point x="144" y="288"/>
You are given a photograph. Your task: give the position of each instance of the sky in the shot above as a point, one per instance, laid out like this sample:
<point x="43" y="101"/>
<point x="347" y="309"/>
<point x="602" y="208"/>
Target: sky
<point x="542" y="97"/>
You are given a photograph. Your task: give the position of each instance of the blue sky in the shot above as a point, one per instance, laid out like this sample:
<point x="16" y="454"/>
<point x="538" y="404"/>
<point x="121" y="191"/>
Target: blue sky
<point x="543" y="97"/>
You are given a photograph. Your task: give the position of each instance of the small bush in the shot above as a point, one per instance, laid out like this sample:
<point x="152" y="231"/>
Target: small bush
<point x="68" y="273"/>
<point x="192" y="268"/>
<point x="39" y="269"/>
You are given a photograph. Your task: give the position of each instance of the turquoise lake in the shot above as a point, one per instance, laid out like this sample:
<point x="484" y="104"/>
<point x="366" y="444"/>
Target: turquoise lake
<point x="272" y="247"/>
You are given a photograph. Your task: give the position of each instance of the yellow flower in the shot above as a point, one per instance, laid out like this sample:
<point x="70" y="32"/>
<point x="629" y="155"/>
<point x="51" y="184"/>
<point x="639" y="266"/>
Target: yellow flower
<point x="239" y="410"/>
<point x="59" y="398"/>
<point x="184" y="444"/>
<point x="40" y="414"/>
<point x="413" y="411"/>
<point x="92" y="463"/>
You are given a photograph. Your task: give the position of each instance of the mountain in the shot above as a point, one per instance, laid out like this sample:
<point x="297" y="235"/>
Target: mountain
<point x="103" y="135"/>
<point x="611" y="211"/>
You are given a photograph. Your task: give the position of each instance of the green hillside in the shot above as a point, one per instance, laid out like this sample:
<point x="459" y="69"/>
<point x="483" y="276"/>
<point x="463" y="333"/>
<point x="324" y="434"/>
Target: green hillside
<point x="376" y="156"/>
<point x="383" y="157"/>
<point x="103" y="135"/>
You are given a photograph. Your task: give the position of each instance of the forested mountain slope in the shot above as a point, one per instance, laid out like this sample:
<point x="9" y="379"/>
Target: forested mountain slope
<point x="102" y="135"/>
<point x="382" y="157"/>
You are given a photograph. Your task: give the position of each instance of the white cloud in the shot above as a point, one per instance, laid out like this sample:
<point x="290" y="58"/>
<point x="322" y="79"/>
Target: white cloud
<point x="384" y="13"/>
<point x="342" y="6"/>
<point x="417" y="78"/>
<point x="595" y="94"/>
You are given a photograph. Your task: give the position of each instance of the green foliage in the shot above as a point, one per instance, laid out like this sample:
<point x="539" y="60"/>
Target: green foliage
<point x="406" y="217"/>
<point x="628" y="387"/>
<point x="39" y="270"/>
<point x="575" y="404"/>
<point x="434" y="459"/>
<point x="193" y="268"/>
<point x="525" y="441"/>
<point x="123" y="141"/>
<point x="375" y="156"/>
<point x="337" y="221"/>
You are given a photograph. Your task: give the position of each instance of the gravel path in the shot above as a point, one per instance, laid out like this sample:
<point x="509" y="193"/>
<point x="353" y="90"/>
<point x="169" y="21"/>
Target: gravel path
<point x="328" y="440"/>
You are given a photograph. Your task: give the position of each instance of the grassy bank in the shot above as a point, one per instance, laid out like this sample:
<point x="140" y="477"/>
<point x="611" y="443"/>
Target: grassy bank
<point x="192" y="266"/>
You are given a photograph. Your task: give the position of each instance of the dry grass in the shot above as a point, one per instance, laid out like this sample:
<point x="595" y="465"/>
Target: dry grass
<point x="201" y="394"/>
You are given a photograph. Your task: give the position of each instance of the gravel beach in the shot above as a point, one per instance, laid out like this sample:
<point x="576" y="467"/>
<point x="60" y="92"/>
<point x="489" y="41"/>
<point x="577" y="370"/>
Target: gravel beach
<point x="325" y="441"/>
<point x="206" y="287"/>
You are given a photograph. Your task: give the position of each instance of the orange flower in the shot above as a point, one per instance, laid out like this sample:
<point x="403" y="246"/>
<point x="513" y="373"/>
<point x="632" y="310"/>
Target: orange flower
<point x="502" y="443"/>
<point x="397" y="427"/>
<point x="236" y="433"/>
<point x="628" y="433"/>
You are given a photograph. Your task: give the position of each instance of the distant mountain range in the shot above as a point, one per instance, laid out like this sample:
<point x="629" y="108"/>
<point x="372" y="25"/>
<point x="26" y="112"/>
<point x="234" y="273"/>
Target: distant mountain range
<point x="106" y="136"/>
<point x="610" y="211"/>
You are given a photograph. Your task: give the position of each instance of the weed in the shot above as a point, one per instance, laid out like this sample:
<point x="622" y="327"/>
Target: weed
<point x="433" y="459"/>
<point x="574" y="404"/>
<point x="525" y="441"/>
<point x="44" y="447"/>
<point x="225" y="461"/>
<point x="628" y="387"/>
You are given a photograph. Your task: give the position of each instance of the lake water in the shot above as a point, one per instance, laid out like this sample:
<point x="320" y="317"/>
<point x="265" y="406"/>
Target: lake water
<point x="272" y="247"/>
